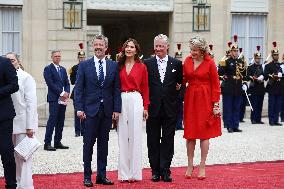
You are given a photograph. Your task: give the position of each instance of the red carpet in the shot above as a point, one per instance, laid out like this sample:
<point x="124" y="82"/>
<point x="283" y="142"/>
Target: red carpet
<point x="264" y="175"/>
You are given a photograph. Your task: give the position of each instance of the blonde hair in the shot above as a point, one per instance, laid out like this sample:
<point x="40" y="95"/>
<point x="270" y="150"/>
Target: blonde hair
<point x="199" y="42"/>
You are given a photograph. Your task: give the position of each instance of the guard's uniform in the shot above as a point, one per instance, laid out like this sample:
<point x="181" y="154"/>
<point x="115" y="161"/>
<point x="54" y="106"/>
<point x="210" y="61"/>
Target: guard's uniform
<point x="233" y="72"/>
<point x="273" y="73"/>
<point x="79" y="125"/>
<point x="255" y="74"/>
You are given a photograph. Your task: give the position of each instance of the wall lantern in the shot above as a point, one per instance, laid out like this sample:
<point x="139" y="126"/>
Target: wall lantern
<point x="72" y="14"/>
<point x="201" y="15"/>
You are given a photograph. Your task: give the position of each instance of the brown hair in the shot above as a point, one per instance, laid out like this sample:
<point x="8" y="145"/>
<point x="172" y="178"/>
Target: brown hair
<point x="122" y="57"/>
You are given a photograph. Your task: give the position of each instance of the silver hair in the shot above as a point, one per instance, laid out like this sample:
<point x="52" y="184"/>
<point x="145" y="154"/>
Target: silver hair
<point x="163" y="37"/>
<point x="55" y="51"/>
<point x="101" y="37"/>
<point x="199" y="42"/>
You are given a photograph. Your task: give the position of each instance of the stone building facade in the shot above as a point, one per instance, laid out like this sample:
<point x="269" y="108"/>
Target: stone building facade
<point x="40" y="28"/>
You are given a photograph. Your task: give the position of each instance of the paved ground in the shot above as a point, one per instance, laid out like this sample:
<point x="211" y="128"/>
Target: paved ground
<point x="255" y="143"/>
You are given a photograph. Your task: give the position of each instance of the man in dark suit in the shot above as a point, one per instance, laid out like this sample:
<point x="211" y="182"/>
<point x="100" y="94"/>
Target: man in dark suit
<point x="98" y="100"/>
<point x="78" y="124"/>
<point x="8" y="85"/>
<point x="165" y="78"/>
<point x="58" y="93"/>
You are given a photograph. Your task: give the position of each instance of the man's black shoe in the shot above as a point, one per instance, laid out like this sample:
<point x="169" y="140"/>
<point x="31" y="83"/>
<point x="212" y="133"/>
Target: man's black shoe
<point x="48" y="147"/>
<point x="88" y="183"/>
<point x="60" y="146"/>
<point x="230" y="130"/>
<point x="237" y="130"/>
<point x="278" y="124"/>
<point x="253" y="122"/>
<point x="260" y="122"/>
<point x="103" y="180"/>
<point x="77" y="135"/>
<point x="242" y="121"/>
<point x="155" y="178"/>
<point x="167" y="177"/>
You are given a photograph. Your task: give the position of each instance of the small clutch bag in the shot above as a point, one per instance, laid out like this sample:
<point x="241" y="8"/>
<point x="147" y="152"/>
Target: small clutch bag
<point x="214" y="120"/>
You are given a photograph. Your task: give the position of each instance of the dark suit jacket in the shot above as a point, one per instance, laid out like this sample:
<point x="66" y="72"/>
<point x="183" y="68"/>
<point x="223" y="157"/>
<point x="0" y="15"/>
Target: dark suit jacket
<point x="73" y="75"/>
<point x="165" y="91"/>
<point x="55" y="83"/>
<point x="273" y="86"/>
<point x="88" y="92"/>
<point x="8" y="85"/>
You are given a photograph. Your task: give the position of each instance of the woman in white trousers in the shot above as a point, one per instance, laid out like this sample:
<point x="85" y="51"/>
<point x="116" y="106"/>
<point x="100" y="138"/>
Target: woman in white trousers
<point x="135" y="101"/>
<point x="26" y="121"/>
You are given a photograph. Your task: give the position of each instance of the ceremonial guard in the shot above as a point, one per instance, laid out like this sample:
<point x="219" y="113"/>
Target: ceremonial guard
<point x="179" y="124"/>
<point x="273" y="73"/>
<point x="282" y="98"/>
<point x="243" y="97"/>
<point x="211" y="54"/>
<point x="222" y="73"/>
<point x="78" y="124"/>
<point x="255" y="74"/>
<point x="233" y="71"/>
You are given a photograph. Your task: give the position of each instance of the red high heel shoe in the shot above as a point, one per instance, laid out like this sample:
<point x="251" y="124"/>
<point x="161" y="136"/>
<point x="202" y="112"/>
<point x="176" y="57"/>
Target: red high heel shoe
<point x="201" y="177"/>
<point x="189" y="176"/>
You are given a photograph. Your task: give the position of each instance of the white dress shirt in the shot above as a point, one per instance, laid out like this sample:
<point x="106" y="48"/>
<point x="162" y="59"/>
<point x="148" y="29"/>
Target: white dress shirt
<point x="97" y="64"/>
<point x="162" y="66"/>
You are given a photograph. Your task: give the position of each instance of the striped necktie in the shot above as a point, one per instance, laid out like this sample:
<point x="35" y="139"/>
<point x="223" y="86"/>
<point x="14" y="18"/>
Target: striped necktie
<point x="101" y="73"/>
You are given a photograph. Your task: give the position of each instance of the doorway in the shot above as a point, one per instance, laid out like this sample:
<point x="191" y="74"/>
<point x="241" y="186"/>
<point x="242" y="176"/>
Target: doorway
<point x="118" y="26"/>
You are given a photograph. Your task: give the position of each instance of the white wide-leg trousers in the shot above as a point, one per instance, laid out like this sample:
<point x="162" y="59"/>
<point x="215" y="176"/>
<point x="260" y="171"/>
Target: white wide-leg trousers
<point x="23" y="168"/>
<point x="130" y="137"/>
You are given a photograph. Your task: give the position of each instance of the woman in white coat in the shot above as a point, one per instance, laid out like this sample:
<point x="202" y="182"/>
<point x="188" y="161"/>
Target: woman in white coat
<point x="26" y="121"/>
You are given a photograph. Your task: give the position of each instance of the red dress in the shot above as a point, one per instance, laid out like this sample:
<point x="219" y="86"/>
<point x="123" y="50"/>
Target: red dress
<point x="202" y="91"/>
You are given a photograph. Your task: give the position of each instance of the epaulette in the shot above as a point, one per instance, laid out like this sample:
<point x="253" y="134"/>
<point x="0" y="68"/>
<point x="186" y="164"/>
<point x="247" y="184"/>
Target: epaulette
<point x="70" y="71"/>
<point x="222" y="62"/>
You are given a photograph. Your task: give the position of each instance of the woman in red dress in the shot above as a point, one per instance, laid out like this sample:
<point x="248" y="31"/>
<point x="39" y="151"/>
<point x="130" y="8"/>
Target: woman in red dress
<point x="201" y="102"/>
<point x="135" y="101"/>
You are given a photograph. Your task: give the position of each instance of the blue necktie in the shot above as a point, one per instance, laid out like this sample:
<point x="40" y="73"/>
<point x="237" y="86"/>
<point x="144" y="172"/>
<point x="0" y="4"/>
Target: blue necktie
<point x="101" y="73"/>
<point x="59" y="72"/>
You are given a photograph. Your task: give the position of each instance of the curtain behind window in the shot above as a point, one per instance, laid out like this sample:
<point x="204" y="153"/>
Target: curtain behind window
<point x="11" y="30"/>
<point x="251" y="31"/>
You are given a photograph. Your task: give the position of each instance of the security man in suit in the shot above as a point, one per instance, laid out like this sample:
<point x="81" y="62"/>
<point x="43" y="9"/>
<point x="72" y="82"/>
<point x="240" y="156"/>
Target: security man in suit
<point x="255" y="74"/>
<point x="273" y="73"/>
<point x="78" y="124"/>
<point x="165" y="78"/>
<point x="8" y="85"/>
<point x="233" y="72"/>
<point x="58" y="85"/>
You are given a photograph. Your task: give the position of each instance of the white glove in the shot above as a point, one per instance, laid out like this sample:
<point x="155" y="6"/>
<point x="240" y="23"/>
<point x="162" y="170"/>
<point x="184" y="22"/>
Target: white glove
<point x="260" y="78"/>
<point x="279" y="74"/>
<point x="244" y="87"/>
